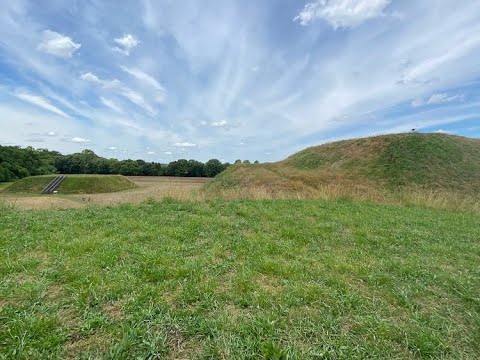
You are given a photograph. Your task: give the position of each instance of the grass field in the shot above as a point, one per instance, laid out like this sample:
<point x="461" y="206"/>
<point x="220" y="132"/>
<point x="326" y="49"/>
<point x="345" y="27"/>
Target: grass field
<point x="242" y="279"/>
<point x="147" y="187"/>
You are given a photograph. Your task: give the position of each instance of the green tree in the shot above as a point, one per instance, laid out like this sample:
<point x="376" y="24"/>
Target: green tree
<point x="213" y="167"/>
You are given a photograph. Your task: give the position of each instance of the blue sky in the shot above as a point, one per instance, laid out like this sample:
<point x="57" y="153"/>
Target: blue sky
<point x="227" y="79"/>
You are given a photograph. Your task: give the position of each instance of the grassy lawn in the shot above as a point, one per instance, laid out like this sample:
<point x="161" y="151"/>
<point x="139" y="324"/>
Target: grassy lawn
<point x="244" y="279"/>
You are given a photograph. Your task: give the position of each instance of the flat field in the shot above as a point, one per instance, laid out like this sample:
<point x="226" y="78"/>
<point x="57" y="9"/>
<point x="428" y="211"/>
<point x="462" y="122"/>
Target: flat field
<point x="240" y="279"/>
<point x="149" y="187"/>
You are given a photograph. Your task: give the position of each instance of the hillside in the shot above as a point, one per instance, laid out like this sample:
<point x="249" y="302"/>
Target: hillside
<point x="73" y="184"/>
<point x="383" y="163"/>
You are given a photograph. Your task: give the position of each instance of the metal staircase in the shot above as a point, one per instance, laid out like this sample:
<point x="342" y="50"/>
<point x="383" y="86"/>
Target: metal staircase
<point x="54" y="184"/>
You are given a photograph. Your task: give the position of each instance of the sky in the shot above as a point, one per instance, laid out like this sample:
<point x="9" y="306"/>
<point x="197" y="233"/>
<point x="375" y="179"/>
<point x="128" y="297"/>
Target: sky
<point x="161" y="80"/>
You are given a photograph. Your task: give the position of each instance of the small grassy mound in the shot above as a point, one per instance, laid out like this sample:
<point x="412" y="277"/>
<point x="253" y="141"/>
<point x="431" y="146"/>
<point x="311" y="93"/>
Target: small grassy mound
<point x="73" y="184"/>
<point x="32" y="184"/>
<point x="389" y="163"/>
<point x="94" y="184"/>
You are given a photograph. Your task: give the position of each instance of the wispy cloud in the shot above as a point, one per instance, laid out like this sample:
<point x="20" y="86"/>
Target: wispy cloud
<point x="341" y="13"/>
<point x="276" y="86"/>
<point x="437" y="99"/>
<point x="184" y="145"/>
<point x="147" y="80"/>
<point x="40" y="102"/>
<point x="137" y="99"/>
<point x="111" y="104"/>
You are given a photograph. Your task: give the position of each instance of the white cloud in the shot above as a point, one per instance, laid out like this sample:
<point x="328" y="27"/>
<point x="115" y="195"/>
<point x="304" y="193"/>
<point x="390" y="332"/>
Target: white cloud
<point x="126" y="43"/>
<point x="168" y="153"/>
<point x="90" y="77"/>
<point x="80" y="140"/>
<point x="57" y="44"/>
<point x="443" y="98"/>
<point x="147" y="80"/>
<point x="437" y="99"/>
<point x="137" y="99"/>
<point x="112" y="148"/>
<point x="51" y="133"/>
<point x="341" y="13"/>
<point x="184" y="144"/>
<point x="126" y="92"/>
<point x="40" y="102"/>
<point x="221" y="123"/>
<point x="110" y="104"/>
<point x="151" y="153"/>
<point x="441" y="131"/>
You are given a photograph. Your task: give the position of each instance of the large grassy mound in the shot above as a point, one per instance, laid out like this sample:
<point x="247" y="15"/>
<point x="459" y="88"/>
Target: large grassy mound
<point x="73" y="184"/>
<point x="391" y="162"/>
<point x="240" y="280"/>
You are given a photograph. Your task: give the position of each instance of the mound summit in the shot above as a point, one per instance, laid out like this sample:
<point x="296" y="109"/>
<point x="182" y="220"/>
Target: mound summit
<point x="388" y="162"/>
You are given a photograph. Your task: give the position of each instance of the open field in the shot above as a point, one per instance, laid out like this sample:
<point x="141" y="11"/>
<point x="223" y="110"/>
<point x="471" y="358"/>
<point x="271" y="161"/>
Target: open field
<point x="148" y="187"/>
<point x="244" y="279"/>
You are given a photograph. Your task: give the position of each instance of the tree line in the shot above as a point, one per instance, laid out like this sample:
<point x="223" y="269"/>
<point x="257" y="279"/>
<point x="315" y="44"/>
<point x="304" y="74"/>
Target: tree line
<point x="17" y="163"/>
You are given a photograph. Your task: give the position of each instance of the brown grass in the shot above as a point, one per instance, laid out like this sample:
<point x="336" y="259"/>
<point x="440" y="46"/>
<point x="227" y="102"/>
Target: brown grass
<point x="260" y="183"/>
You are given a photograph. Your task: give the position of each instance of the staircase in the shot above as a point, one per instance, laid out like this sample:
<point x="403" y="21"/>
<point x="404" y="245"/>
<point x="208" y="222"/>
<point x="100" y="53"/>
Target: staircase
<point x="54" y="184"/>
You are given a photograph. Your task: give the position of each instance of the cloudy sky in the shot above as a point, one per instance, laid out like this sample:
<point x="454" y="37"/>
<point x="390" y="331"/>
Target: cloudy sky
<point x="249" y="79"/>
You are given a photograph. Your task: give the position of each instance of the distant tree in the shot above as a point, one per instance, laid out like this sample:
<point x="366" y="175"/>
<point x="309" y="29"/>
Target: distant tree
<point x="195" y="168"/>
<point x="177" y="168"/>
<point x="213" y="167"/>
<point x="246" y="161"/>
<point x="226" y="165"/>
<point x="130" y="168"/>
<point x="17" y="162"/>
<point x="257" y="162"/>
<point x="238" y="161"/>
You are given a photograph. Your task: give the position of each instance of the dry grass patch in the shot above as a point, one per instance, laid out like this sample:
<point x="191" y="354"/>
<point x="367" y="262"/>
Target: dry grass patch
<point x="79" y="344"/>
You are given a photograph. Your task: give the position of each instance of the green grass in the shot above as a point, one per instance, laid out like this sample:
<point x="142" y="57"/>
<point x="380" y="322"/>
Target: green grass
<point x="278" y="279"/>
<point x="93" y="184"/>
<point x="32" y="184"/>
<point x="73" y="184"/>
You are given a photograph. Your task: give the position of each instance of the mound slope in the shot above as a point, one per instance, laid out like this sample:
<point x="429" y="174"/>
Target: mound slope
<point x="73" y="184"/>
<point x="388" y="162"/>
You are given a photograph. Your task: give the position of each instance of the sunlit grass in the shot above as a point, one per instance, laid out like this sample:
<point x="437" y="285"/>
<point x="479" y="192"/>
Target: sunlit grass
<point x="272" y="279"/>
